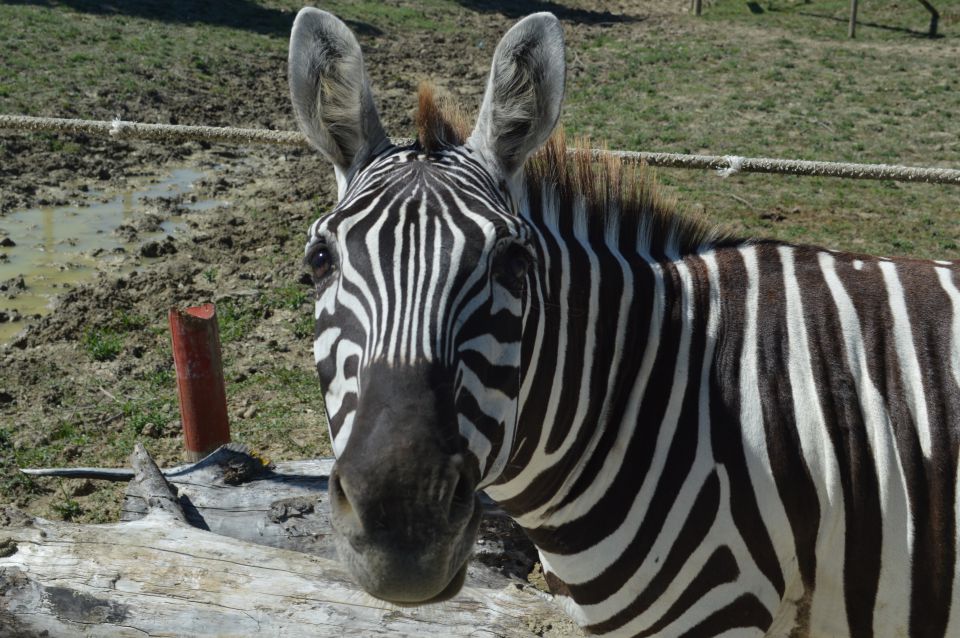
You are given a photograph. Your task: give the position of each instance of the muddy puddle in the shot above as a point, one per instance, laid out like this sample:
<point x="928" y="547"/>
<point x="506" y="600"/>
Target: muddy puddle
<point x="46" y="251"/>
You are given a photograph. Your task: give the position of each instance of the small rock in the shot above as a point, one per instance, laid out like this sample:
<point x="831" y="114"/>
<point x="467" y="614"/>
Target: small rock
<point x="6" y="242"/>
<point x="250" y="412"/>
<point x="150" y="249"/>
<point x="158" y="249"/>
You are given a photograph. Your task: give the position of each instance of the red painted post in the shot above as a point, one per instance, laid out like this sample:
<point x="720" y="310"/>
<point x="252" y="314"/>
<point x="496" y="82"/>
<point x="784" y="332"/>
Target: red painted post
<point x="203" y="399"/>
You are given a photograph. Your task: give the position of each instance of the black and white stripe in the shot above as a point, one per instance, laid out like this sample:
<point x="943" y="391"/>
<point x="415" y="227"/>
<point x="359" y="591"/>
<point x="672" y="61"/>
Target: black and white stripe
<point x="401" y="235"/>
<point x="788" y="463"/>
<point x="703" y="437"/>
<point x="749" y="435"/>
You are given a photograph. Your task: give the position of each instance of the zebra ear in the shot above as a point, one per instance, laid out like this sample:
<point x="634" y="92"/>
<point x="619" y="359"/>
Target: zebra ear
<point x="331" y="94"/>
<point x="524" y="94"/>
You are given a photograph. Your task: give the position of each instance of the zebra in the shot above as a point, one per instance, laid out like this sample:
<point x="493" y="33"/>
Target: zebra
<point x="703" y="435"/>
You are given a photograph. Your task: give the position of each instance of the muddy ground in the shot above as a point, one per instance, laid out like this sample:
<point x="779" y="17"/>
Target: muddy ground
<point x="62" y="403"/>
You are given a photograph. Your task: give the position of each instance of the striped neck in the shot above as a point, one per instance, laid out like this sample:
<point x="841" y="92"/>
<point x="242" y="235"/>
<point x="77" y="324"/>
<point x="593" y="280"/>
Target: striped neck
<point x="613" y="284"/>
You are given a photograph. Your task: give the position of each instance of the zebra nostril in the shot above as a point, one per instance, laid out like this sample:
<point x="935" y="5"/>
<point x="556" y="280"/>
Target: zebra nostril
<point x="462" y="497"/>
<point x="339" y="500"/>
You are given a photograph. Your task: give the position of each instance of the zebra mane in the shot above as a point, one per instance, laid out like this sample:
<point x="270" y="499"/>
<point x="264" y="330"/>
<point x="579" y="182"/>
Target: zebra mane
<point x="440" y="122"/>
<point x="617" y="197"/>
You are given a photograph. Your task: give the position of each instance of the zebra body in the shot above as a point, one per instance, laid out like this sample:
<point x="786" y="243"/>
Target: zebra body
<point x="702" y="435"/>
<point x="765" y="452"/>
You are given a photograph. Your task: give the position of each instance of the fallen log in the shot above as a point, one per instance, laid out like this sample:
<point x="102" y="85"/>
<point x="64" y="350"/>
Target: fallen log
<point x="207" y="550"/>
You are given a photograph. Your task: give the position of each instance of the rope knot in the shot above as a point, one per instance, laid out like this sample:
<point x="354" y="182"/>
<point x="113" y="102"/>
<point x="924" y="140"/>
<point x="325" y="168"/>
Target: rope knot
<point x="734" y="164"/>
<point x="117" y="126"/>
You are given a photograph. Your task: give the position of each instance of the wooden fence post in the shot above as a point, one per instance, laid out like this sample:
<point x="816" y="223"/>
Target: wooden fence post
<point x="853" y="19"/>
<point x="203" y="399"/>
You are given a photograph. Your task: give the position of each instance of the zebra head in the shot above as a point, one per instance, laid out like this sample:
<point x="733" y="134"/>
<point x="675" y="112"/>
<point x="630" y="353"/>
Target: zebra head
<point x="423" y="275"/>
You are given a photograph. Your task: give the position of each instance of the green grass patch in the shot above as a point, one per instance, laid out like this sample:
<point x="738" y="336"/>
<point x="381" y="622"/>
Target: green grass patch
<point x="788" y="84"/>
<point x="141" y="413"/>
<point x="289" y="296"/>
<point x="236" y="318"/>
<point x="829" y="19"/>
<point x="67" y="507"/>
<point x="162" y="379"/>
<point x="102" y="344"/>
<point x="304" y="326"/>
<point x="127" y="320"/>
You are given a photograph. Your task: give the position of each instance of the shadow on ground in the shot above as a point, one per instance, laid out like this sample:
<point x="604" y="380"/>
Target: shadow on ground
<point x="236" y="14"/>
<point x="871" y="25"/>
<point x="523" y="8"/>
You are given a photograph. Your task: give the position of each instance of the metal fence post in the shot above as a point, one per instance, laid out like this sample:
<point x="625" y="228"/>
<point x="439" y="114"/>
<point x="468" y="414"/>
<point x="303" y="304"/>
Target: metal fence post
<point x="203" y="398"/>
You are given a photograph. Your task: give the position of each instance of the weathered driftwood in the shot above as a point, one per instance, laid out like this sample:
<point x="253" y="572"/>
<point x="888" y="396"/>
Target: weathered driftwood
<point x="156" y="573"/>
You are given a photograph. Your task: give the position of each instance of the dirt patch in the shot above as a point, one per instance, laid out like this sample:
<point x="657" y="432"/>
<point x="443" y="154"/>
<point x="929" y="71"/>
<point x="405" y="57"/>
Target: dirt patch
<point x="87" y="380"/>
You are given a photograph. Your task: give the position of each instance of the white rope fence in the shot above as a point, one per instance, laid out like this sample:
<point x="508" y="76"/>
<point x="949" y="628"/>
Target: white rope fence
<point x="725" y="165"/>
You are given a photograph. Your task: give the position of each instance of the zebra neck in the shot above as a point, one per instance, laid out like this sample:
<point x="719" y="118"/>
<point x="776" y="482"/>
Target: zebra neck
<point x="610" y="334"/>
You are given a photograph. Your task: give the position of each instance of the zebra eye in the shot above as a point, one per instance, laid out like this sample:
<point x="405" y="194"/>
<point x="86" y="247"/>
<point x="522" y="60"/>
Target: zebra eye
<point x="517" y="266"/>
<point x="321" y="263"/>
<point x="513" y="267"/>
